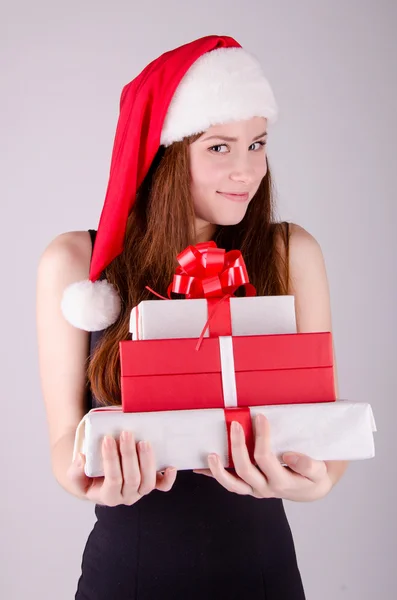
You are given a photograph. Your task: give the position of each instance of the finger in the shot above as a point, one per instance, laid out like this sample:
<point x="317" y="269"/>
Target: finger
<point x="130" y="467"/>
<point x="242" y="461"/>
<point x="229" y="481"/>
<point x="314" y="470"/>
<point x="264" y="457"/>
<point x="77" y="476"/>
<point x="147" y="467"/>
<point x="206" y="472"/>
<point x="111" y="489"/>
<point x="165" y="482"/>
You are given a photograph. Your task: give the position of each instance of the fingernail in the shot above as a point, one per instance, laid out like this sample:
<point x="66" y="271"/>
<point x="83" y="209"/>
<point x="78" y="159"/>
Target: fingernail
<point x="236" y="427"/>
<point x="213" y="458"/>
<point x="125" y="436"/>
<point x="259" y="422"/>
<point x="144" y="446"/>
<point x="108" y="442"/>
<point x="291" y="459"/>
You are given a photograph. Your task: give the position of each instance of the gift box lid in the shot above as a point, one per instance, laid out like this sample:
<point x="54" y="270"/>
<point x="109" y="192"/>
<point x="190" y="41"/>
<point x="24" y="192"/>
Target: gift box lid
<point x="251" y="353"/>
<point x="174" y="319"/>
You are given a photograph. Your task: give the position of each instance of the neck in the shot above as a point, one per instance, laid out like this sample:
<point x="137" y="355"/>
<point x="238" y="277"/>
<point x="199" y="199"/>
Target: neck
<point x="204" y="231"/>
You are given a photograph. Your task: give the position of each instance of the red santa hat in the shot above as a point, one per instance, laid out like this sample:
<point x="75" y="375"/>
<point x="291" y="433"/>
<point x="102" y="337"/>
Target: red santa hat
<point x="206" y="82"/>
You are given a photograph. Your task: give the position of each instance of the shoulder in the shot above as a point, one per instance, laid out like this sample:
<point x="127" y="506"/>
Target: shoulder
<point x="70" y="252"/>
<point x="308" y="280"/>
<point x="302" y="251"/>
<point x="300" y="241"/>
<point x="70" y="242"/>
<point x="65" y="260"/>
<point x="305" y="254"/>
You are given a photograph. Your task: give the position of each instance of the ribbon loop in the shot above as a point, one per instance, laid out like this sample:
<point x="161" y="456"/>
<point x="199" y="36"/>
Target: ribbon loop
<point x="212" y="287"/>
<point x="206" y="271"/>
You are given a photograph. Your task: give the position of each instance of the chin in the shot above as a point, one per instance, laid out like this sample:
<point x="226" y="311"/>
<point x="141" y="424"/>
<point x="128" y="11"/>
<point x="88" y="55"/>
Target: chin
<point x="226" y="220"/>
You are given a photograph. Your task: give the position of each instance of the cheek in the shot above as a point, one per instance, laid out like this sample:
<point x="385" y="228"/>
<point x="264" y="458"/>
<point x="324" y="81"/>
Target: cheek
<point x="261" y="168"/>
<point x="206" y="175"/>
<point x="259" y="173"/>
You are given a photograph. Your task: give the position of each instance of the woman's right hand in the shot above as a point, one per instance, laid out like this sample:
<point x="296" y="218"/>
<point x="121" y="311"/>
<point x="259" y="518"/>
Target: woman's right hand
<point x="129" y="473"/>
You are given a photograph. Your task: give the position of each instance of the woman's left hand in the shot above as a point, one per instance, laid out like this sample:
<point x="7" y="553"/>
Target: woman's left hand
<point x="303" y="480"/>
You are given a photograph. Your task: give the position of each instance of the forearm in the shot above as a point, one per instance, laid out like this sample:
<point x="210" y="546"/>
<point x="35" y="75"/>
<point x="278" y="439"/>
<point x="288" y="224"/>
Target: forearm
<point x="61" y="458"/>
<point x="336" y="468"/>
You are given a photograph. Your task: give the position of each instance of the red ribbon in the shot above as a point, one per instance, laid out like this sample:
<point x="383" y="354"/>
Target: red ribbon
<point x="207" y="271"/>
<point x="243" y="416"/>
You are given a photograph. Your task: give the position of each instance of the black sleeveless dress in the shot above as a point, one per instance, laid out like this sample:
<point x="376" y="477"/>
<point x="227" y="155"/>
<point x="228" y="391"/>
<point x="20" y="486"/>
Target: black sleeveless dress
<point x="196" y="542"/>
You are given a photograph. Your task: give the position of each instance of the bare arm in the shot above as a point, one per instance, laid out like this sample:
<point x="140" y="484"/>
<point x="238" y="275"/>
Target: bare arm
<point x="309" y="284"/>
<point x="129" y="471"/>
<point x="62" y="349"/>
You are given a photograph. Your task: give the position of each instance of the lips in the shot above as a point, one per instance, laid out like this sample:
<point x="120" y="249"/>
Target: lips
<point x="235" y="197"/>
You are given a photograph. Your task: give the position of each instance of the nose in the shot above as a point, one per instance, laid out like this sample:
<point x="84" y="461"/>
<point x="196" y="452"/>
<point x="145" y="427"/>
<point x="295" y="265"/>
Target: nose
<point x="243" y="171"/>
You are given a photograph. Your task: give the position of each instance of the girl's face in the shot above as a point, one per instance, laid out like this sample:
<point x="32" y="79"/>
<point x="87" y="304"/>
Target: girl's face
<point x="227" y="164"/>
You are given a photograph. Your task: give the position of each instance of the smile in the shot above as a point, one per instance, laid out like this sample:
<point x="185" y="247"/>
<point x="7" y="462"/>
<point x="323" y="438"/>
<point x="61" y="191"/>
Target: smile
<point x="235" y="197"/>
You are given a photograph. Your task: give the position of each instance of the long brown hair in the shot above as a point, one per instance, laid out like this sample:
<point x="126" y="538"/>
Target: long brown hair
<point x="160" y="226"/>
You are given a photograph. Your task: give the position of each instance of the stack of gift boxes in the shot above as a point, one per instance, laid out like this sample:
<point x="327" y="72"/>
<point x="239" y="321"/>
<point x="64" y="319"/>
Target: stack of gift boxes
<point x="195" y="365"/>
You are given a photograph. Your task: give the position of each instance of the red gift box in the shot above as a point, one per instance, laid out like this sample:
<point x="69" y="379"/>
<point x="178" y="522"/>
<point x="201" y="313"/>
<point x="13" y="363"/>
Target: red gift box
<point x="268" y="369"/>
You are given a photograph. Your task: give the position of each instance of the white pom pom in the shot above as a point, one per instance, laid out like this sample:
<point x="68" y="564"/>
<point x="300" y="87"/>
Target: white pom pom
<point x="91" y="306"/>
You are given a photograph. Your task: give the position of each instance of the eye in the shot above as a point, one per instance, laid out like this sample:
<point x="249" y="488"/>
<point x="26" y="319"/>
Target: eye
<point x="261" y="144"/>
<point x="218" y="146"/>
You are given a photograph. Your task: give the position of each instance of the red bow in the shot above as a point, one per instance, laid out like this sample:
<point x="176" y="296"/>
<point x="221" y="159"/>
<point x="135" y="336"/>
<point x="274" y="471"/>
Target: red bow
<point x="207" y="271"/>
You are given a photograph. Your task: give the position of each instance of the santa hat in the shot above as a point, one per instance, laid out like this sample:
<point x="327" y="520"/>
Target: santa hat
<point x="209" y="81"/>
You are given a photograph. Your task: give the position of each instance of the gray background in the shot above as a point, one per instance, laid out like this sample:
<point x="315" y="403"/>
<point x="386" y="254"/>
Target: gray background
<point x="332" y="66"/>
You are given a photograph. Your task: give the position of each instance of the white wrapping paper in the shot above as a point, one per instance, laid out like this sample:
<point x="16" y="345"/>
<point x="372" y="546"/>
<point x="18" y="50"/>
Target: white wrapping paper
<point x="256" y="315"/>
<point x="340" y="430"/>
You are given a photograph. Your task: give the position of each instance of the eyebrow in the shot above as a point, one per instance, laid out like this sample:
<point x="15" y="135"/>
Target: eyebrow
<point x="231" y="139"/>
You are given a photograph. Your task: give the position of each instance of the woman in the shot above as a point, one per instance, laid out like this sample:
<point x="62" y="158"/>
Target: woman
<point x="189" y="165"/>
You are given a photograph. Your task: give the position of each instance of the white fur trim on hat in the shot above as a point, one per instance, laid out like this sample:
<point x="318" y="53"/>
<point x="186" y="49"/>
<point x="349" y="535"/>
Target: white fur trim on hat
<point x="91" y="306"/>
<point x="226" y="84"/>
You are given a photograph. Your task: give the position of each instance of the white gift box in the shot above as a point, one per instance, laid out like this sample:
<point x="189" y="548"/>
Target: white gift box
<point x="255" y="315"/>
<point x="340" y="430"/>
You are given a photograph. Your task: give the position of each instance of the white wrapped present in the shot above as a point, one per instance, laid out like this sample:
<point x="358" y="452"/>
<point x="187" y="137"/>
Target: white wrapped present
<point x="340" y="430"/>
<point x="255" y="315"/>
